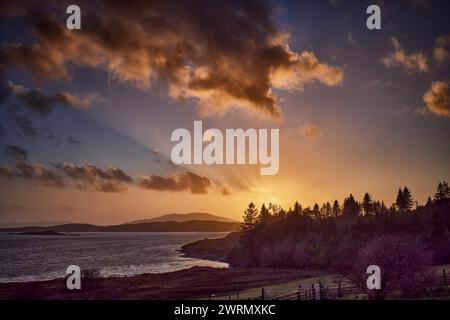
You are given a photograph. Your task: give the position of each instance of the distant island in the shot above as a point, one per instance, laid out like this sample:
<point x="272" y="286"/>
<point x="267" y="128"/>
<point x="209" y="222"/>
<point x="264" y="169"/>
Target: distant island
<point x="190" y="222"/>
<point x="44" y="233"/>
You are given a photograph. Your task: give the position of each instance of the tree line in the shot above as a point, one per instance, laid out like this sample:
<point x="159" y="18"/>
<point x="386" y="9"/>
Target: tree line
<point x="349" y="209"/>
<point x="404" y="239"/>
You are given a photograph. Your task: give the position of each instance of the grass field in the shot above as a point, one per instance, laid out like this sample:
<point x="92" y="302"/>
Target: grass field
<point x="293" y="286"/>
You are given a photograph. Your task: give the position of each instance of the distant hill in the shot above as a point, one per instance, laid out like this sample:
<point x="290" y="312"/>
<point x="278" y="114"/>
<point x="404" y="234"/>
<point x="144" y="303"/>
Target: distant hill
<point x="163" y="226"/>
<point x="182" y="217"/>
<point x="34" y="223"/>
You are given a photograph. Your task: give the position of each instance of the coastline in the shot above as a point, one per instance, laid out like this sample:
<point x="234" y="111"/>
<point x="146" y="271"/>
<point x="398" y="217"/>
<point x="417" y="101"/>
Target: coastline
<point x="215" y="249"/>
<point x="190" y="283"/>
<point x="195" y="282"/>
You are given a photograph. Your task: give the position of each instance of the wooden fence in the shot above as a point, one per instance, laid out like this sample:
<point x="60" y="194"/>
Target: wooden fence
<point x="316" y="291"/>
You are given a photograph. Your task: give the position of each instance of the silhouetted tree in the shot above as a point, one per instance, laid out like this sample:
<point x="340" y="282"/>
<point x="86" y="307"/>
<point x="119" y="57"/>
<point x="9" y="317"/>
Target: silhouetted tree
<point x="297" y="209"/>
<point x="323" y="210"/>
<point x="393" y="208"/>
<point x="404" y="200"/>
<point x="351" y="207"/>
<point x="336" y="209"/>
<point x="407" y="198"/>
<point x="400" y="201"/>
<point x="307" y="212"/>
<point x="250" y="220"/>
<point x="442" y="192"/>
<point x="384" y="209"/>
<point x="315" y="211"/>
<point x="264" y="215"/>
<point x="367" y="204"/>
<point x="429" y="202"/>
<point x="328" y="210"/>
<point x="403" y="261"/>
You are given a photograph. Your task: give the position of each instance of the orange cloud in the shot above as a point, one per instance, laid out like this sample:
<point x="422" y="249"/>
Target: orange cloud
<point x="222" y="57"/>
<point x="441" y="51"/>
<point x="437" y="98"/>
<point x="310" y="131"/>
<point x="411" y="62"/>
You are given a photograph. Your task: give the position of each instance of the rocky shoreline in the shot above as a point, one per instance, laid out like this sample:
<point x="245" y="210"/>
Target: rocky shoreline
<point x="211" y="249"/>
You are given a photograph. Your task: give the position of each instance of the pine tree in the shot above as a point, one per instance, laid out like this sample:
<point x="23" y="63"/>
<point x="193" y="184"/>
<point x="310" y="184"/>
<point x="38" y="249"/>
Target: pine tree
<point x="323" y="210"/>
<point x="384" y="209"/>
<point x="264" y="215"/>
<point x="429" y="202"/>
<point x="446" y="190"/>
<point x="367" y="204"/>
<point x="328" y="210"/>
<point x="351" y="207"/>
<point x="336" y="208"/>
<point x="400" y="201"/>
<point x="408" y="199"/>
<point x="376" y="208"/>
<point x="393" y="208"/>
<point x="442" y="192"/>
<point x="250" y="220"/>
<point x="247" y="227"/>
<point x="297" y="209"/>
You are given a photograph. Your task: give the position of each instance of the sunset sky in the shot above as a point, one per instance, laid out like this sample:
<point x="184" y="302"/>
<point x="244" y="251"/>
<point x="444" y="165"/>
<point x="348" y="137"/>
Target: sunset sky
<point x="86" y="115"/>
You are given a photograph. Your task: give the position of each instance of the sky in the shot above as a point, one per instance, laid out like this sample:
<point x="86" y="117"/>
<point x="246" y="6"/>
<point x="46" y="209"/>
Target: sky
<point x="86" y="115"/>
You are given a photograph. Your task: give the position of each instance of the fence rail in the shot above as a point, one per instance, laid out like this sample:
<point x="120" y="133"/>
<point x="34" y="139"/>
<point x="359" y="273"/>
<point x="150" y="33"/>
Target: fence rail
<point x="317" y="291"/>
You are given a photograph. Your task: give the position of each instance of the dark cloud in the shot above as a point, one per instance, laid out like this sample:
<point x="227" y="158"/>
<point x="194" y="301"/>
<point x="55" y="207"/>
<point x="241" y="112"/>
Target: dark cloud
<point x="25" y="127"/>
<point x="38" y="174"/>
<point x="44" y="177"/>
<point x="113" y="186"/>
<point x="88" y="175"/>
<point x="107" y="180"/>
<point x="6" y="171"/>
<point x="157" y="156"/>
<point x="15" y="152"/>
<point x="24" y="170"/>
<point x="72" y="140"/>
<point x="186" y="181"/>
<point x="39" y="102"/>
<point x="201" y="49"/>
<point x="226" y="190"/>
<point x="35" y="101"/>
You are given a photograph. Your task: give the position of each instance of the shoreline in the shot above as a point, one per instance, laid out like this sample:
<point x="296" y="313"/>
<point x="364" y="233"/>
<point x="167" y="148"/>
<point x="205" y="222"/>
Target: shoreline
<point x="195" y="282"/>
<point x="216" y="263"/>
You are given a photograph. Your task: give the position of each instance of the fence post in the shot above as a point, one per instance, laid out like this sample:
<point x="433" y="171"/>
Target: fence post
<point x="262" y="294"/>
<point x="445" y="276"/>
<point x="320" y="291"/>
<point x="299" y="296"/>
<point x="237" y="293"/>
<point x="339" y="290"/>
<point x="313" y="292"/>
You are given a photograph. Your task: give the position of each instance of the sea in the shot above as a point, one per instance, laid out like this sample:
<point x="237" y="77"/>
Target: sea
<point x="43" y="257"/>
